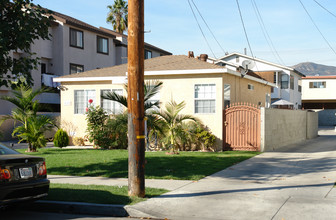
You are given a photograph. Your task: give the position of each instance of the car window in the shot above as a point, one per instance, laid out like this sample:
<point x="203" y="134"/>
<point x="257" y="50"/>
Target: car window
<point x="5" y="150"/>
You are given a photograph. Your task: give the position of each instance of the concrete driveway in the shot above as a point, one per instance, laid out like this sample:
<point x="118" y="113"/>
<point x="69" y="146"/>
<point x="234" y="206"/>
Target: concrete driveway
<point x="296" y="183"/>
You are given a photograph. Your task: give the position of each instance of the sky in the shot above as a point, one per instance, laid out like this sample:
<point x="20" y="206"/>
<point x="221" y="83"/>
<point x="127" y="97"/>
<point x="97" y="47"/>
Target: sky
<point x="170" y="25"/>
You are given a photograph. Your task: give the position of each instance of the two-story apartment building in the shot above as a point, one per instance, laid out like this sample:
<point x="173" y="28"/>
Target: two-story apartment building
<point x="318" y="92"/>
<point x="288" y="80"/>
<point x="75" y="46"/>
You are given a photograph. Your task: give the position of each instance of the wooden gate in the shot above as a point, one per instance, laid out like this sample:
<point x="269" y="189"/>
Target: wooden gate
<point x="241" y="127"/>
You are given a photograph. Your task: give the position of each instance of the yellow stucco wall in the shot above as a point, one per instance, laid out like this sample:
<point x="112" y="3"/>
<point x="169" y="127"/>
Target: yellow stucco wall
<point x="76" y="123"/>
<point x="241" y="93"/>
<point x="179" y="88"/>
<point x="182" y="88"/>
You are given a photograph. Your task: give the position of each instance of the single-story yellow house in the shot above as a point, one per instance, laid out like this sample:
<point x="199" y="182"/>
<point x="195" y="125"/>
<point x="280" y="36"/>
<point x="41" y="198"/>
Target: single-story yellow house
<point x="206" y="89"/>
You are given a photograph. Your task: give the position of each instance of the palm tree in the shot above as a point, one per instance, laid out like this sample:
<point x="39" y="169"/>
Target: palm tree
<point x="151" y="88"/>
<point x="27" y="106"/>
<point x="118" y="15"/>
<point x="33" y="133"/>
<point x="172" y="121"/>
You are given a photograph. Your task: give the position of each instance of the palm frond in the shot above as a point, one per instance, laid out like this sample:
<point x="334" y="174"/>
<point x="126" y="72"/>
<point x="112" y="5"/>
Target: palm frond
<point x="112" y="96"/>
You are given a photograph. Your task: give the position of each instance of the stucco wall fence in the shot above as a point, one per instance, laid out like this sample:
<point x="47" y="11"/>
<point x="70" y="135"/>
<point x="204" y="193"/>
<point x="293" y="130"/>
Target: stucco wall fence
<point x="327" y="117"/>
<point x="280" y="127"/>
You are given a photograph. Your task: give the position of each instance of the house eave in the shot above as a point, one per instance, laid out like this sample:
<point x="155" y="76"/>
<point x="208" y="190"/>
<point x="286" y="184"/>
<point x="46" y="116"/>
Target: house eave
<point x="122" y="79"/>
<point x="114" y="79"/>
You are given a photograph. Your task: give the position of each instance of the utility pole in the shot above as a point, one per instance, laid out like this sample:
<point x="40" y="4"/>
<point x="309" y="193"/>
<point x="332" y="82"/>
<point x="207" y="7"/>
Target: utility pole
<point x="135" y="100"/>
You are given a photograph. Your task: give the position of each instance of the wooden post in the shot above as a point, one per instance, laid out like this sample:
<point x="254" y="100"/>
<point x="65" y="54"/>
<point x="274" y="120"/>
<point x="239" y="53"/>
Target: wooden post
<point x="135" y="100"/>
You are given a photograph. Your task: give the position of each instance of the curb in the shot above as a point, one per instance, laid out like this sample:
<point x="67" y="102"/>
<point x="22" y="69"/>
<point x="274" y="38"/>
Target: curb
<point x="79" y="208"/>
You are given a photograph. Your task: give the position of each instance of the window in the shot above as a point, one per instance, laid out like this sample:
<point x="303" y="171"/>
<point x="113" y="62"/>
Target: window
<point x="291" y="82"/>
<point x="321" y="85"/>
<point x="82" y="98"/>
<point x="237" y="59"/>
<point x="284" y="81"/>
<point x="75" y="68"/>
<point x="76" y="38"/>
<point x="205" y="98"/>
<point x="155" y="98"/>
<point x="227" y="95"/>
<point x="102" y="45"/>
<point x="275" y="77"/>
<point x="148" y="54"/>
<point x="299" y="88"/>
<point x="250" y="87"/>
<point x="109" y="106"/>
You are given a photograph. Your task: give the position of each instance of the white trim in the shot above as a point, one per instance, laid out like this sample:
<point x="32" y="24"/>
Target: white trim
<point x="179" y="72"/>
<point x="260" y="60"/>
<point x="122" y="79"/>
<point x="114" y="79"/>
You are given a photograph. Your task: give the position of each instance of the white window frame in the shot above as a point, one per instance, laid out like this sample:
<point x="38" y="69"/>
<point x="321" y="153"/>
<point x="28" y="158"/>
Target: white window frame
<point x="111" y="107"/>
<point x="205" y="98"/>
<point x="81" y="101"/>
<point x="318" y="85"/>
<point x="250" y="86"/>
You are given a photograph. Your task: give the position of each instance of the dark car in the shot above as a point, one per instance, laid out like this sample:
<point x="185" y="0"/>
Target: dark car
<point x="22" y="177"/>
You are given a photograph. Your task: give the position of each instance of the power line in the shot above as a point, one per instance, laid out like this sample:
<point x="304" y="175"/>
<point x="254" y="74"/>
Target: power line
<point x="317" y="28"/>
<point x="208" y="26"/>
<point x="248" y="42"/>
<point x="199" y="26"/>
<point x="265" y="33"/>
<point x="325" y="8"/>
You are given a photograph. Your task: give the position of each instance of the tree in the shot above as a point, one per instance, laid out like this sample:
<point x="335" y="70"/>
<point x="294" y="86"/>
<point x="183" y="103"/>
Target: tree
<point x="25" y="111"/>
<point x="172" y="121"/>
<point x="118" y="15"/>
<point x="21" y="23"/>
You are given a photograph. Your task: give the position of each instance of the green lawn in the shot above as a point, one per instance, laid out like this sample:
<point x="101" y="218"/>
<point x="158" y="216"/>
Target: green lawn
<point x="113" y="163"/>
<point x="97" y="194"/>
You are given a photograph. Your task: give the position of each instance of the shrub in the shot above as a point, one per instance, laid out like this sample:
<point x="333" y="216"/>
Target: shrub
<point x="97" y="130"/>
<point x="61" y="138"/>
<point x="206" y="138"/>
<point x="118" y="128"/>
<point x="78" y="141"/>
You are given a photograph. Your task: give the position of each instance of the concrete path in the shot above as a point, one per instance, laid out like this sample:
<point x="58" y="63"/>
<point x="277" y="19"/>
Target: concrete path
<point x="153" y="183"/>
<point x="296" y="183"/>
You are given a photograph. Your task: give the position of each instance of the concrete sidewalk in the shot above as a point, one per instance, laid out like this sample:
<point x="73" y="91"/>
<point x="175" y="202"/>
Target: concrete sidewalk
<point x="153" y="183"/>
<point x="296" y="183"/>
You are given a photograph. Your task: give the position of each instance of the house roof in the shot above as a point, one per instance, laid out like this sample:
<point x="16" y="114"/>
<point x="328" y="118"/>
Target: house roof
<point x="102" y="31"/>
<point x="319" y="77"/>
<point x="263" y="61"/>
<point x="147" y="45"/>
<point x="79" y="24"/>
<point x="163" y="65"/>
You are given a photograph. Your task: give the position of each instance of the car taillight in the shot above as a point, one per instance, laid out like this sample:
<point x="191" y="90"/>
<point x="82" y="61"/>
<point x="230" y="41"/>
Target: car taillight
<point x="42" y="169"/>
<point x="4" y="174"/>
